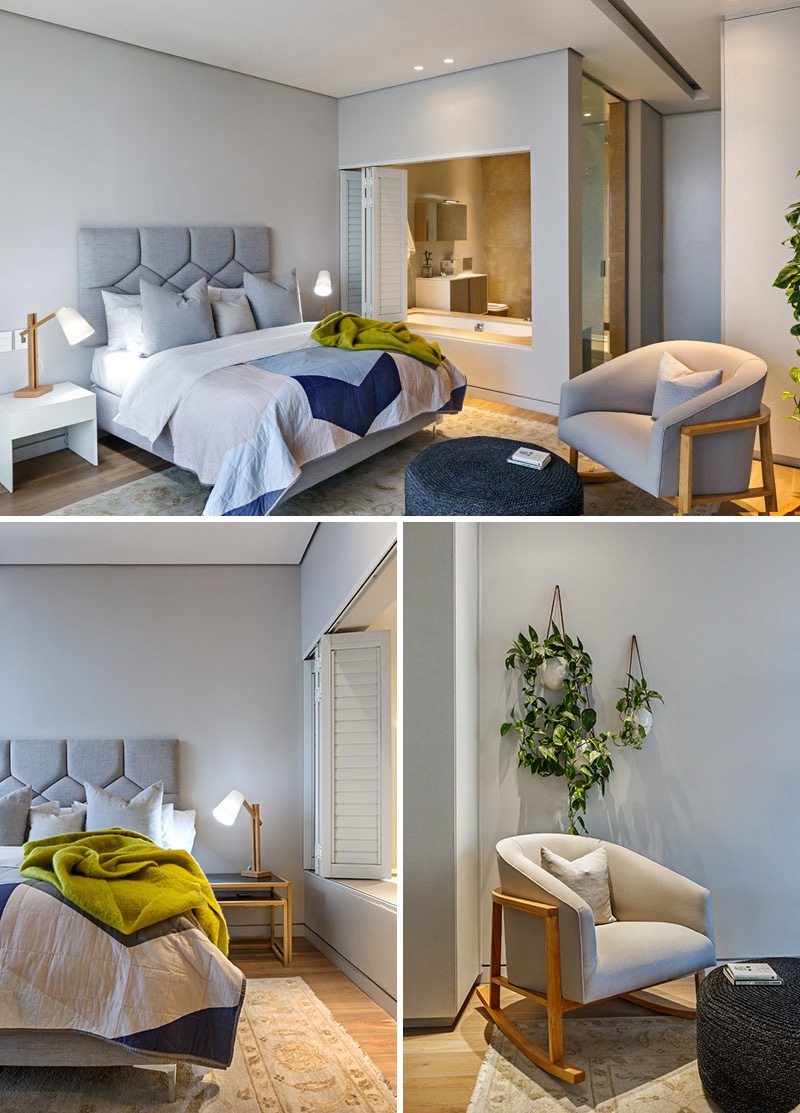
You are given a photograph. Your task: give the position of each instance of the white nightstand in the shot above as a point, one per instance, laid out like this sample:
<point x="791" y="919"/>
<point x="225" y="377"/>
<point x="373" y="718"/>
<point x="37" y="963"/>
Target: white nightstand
<point x="65" y="405"/>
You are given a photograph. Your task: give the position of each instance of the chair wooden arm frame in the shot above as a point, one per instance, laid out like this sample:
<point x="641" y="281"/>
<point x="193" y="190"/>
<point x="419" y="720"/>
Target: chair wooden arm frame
<point x="552" y="1058"/>
<point x="686" y="499"/>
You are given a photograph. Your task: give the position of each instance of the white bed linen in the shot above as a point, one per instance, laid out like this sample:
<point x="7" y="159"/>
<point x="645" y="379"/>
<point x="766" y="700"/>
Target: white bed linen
<point x="161" y="380"/>
<point x="10" y="856"/>
<point x="113" y="370"/>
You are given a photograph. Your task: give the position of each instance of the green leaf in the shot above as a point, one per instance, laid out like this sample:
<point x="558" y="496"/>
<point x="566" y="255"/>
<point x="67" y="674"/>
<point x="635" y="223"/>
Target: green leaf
<point x="504" y="729"/>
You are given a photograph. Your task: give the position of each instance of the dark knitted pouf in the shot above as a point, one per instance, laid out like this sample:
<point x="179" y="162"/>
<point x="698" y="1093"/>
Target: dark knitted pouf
<point x="748" y="1041"/>
<point x="472" y="476"/>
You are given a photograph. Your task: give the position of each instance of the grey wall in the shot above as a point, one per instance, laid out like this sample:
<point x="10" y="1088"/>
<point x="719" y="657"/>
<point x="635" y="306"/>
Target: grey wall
<point x="712" y="794"/>
<point x="98" y="132"/>
<point x="645" y="219"/>
<point x="761" y="156"/>
<point x="693" y="226"/>
<point x="532" y="103"/>
<point x="440" y="755"/>
<point x="210" y="655"/>
<point x="339" y="559"/>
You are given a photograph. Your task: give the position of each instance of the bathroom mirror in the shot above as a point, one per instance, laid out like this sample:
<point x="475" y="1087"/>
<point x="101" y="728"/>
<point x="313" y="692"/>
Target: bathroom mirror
<point x="436" y="221"/>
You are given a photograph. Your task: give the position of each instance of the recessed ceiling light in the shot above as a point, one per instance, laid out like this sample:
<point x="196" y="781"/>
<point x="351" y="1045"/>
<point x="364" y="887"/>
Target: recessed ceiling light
<point x="448" y="61"/>
<point x="419" y="67"/>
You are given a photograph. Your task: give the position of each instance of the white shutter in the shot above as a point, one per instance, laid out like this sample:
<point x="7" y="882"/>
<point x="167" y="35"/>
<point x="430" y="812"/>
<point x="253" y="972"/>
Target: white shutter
<point x="351" y="261"/>
<point x="386" y="241"/>
<point x="356" y="758"/>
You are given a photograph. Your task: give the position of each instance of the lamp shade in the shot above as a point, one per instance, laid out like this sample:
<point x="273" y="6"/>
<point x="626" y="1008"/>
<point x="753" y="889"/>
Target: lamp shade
<point x="227" y="811"/>
<point x="324" y="286"/>
<point x="74" y="327"/>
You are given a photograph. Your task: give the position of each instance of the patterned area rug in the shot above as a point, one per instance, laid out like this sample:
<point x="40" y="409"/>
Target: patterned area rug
<point x="639" y="1065"/>
<point x="375" y="486"/>
<point x="291" y="1057"/>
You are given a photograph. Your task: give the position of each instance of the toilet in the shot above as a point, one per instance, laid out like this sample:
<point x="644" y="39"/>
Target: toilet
<point x="497" y="309"/>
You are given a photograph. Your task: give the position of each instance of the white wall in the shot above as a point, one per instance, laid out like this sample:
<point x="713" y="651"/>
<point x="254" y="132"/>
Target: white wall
<point x="532" y="103"/>
<point x="693" y="226"/>
<point x="645" y="225"/>
<point x="99" y="132"/>
<point x="339" y="559"/>
<point x="761" y="157"/>
<point x="209" y="655"/>
<point x="712" y="794"/>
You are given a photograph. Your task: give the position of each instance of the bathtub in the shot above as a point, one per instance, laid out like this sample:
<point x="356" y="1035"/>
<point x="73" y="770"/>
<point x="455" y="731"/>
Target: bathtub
<point x="497" y="327"/>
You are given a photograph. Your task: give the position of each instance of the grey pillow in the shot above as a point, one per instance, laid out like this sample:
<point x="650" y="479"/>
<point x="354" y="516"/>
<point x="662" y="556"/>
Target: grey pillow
<point x="274" y="303"/>
<point x="171" y="319"/>
<point x="586" y="876"/>
<point x="677" y="384"/>
<point x="14" y="810"/>
<point x="142" y="813"/>
<point x="231" y="310"/>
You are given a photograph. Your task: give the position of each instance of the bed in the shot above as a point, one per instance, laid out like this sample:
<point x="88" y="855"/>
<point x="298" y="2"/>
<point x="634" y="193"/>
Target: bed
<point x="56" y="770"/>
<point x="319" y="411"/>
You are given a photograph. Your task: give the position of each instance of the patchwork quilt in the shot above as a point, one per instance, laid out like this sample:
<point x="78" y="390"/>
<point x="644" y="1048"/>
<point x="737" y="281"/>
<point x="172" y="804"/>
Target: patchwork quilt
<point x="247" y="412"/>
<point x="165" y="990"/>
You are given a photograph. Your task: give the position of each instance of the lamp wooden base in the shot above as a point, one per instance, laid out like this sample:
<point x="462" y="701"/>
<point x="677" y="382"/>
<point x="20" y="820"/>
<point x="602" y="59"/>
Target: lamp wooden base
<point x="33" y="392"/>
<point x="256" y="873"/>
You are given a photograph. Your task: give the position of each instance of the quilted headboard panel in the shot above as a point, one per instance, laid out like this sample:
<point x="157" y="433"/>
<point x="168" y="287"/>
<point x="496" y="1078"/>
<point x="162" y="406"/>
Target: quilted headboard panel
<point x="57" y="768"/>
<point x="117" y="258"/>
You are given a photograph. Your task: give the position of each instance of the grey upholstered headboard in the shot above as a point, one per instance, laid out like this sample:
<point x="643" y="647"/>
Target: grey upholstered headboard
<point x="117" y="258"/>
<point x="57" y="768"/>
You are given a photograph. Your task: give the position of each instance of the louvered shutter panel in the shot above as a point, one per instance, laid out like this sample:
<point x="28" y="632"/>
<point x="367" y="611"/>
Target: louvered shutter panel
<point x="356" y="779"/>
<point x="351" y="263"/>
<point x="386" y="242"/>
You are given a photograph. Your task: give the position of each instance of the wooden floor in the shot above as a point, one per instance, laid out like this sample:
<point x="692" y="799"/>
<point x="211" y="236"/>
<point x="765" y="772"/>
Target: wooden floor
<point x="440" y="1066"/>
<point x="373" y="1030"/>
<point x="59" y="479"/>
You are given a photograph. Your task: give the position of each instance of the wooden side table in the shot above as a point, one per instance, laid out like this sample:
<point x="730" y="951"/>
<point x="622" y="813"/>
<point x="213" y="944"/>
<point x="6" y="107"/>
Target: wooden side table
<point x="233" y="890"/>
<point x="65" y="405"/>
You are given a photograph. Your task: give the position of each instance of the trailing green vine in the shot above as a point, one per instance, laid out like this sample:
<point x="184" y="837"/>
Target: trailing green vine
<point x="788" y="280"/>
<point x="635" y="700"/>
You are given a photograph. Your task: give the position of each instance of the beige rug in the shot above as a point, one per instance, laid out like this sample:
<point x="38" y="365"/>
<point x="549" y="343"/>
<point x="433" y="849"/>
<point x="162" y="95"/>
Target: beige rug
<point x="291" y="1057"/>
<point x="639" y="1065"/>
<point x="375" y="486"/>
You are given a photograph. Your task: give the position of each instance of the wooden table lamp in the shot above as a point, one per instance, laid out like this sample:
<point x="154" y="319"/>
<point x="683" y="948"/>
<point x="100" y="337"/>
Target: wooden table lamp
<point x="75" y="328"/>
<point x="227" y="811"/>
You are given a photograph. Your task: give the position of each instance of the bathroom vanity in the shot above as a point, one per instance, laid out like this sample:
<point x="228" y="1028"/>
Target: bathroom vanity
<point x="454" y="293"/>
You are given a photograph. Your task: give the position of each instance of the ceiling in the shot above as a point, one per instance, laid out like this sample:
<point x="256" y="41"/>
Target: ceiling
<point x="352" y="46"/>
<point x="251" y="541"/>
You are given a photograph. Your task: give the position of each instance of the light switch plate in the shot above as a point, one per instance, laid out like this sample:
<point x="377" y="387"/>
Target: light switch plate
<point x="20" y="341"/>
<point x="5" y="341"/>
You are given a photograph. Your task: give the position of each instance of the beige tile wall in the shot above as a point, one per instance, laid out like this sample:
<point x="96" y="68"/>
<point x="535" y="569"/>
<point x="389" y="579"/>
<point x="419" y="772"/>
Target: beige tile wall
<point x="507" y="230"/>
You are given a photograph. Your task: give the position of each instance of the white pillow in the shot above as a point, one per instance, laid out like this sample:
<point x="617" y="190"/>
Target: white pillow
<point x="586" y="876"/>
<point x="678" y="383"/>
<point x="124" y="321"/>
<point x="141" y="814"/>
<point x="231" y="311"/>
<point x="49" y="819"/>
<point x="184" y="830"/>
<point x="167" y="824"/>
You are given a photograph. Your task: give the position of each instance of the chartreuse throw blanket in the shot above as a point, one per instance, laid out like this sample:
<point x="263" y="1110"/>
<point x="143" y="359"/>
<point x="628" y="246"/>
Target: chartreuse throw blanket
<point x="345" y="330"/>
<point x="125" y="881"/>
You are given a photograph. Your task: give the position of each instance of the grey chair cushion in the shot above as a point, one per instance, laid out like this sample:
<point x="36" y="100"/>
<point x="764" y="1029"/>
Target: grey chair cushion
<point x="587" y="876"/>
<point x="274" y="303"/>
<point x="171" y="319"/>
<point x="142" y="813"/>
<point x="231" y="310"/>
<point x="620" y="441"/>
<point x="678" y="383"/>
<point x="637" y="955"/>
<point x="14" y="810"/>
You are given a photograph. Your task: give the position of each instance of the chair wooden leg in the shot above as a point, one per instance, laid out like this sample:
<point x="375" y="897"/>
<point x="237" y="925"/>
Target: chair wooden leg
<point x="555" y="1028"/>
<point x="767" y="467"/>
<point x="573" y="458"/>
<point x="685" y="475"/>
<point x="659" y="1005"/>
<point x="494" y="962"/>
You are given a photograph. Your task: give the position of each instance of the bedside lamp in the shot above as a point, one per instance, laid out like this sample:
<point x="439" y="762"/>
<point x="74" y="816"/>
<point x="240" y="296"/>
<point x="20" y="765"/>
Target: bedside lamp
<point x="324" y="288"/>
<point x="75" y="329"/>
<point x="226" y="812"/>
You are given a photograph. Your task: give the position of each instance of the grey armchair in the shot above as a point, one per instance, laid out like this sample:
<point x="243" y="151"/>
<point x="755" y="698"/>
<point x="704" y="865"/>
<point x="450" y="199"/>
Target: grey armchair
<point x="556" y="955"/>
<point x="700" y="451"/>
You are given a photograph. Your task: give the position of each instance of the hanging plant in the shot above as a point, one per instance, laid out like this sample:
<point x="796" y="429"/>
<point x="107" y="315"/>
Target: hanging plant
<point x="558" y="739"/>
<point x="634" y="708"/>
<point x="789" y="281"/>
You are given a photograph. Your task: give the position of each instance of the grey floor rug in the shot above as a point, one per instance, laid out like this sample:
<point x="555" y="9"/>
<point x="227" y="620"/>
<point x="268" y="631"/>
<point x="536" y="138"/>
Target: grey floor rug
<point x="291" y="1057"/>
<point x="373" y="487"/>
<point x="633" y="1065"/>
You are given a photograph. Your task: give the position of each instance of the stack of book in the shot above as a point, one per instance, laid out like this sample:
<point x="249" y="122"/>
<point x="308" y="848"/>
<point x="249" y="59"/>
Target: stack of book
<point x="751" y="973"/>
<point x="535" y="458"/>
